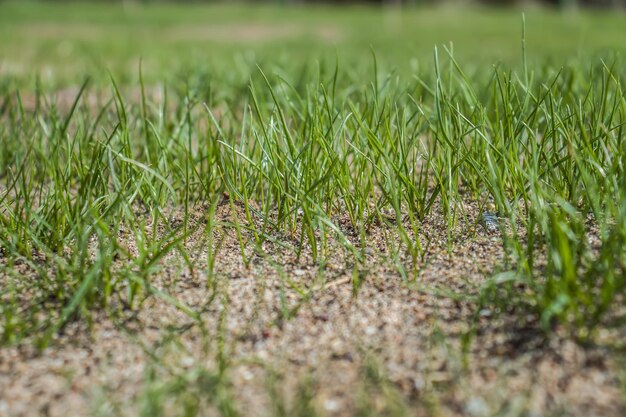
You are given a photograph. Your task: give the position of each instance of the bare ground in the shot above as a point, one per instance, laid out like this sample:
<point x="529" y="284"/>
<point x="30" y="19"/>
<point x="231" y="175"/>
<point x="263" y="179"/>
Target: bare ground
<point x="221" y="32"/>
<point x="283" y="335"/>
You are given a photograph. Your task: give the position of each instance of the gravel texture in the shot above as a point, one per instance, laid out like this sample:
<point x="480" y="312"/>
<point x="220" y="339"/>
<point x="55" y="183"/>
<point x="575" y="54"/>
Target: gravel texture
<point x="284" y="334"/>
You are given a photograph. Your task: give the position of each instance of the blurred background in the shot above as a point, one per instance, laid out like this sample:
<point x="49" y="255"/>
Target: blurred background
<point x="559" y="3"/>
<point x="58" y="42"/>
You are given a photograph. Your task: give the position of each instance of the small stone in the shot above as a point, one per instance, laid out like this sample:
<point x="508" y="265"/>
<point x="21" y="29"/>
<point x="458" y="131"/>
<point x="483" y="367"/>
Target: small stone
<point x="489" y="221"/>
<point x="477" y="407"/>
<point x="370" y="330"/>
<point x="331" y="405"/>
<point x="187" y="362"/>
<point x="419" y="384"/>
<point x="246" y="374"/>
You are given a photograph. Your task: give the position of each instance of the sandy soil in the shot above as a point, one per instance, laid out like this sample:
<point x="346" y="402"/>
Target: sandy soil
<point x="219" y="32"/>
<point x="283" y="332"/>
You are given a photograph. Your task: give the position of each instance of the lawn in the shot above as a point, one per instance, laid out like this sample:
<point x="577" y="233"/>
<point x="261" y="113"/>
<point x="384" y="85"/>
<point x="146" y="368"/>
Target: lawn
<point x="254" y="210"/>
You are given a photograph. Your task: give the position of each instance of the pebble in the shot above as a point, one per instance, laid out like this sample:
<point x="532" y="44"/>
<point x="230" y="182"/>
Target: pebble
<point x="370" y="330"/>
<point x="489" y="221"/>
<point x="477" y="407"/>
<point x="187" y="362"/>
<point x="331" y="405"/>
<point x="246" y="374"/>
<point x="419" y="384"/>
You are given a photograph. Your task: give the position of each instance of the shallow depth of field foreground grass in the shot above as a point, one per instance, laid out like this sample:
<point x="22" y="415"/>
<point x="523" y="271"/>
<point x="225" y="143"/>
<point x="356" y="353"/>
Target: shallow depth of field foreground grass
<point x="282" y="212"/>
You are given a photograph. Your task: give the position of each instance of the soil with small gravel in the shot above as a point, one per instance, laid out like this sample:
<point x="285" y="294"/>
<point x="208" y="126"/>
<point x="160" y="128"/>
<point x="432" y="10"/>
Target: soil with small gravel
<point x="286" y="331"/>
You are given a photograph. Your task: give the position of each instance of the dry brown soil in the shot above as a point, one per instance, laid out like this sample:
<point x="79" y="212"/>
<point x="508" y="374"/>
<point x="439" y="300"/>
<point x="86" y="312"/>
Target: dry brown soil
<point x="390" y="346"/>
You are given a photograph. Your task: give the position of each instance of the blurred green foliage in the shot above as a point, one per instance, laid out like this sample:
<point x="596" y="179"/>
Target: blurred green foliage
<point x="61" y="43"/>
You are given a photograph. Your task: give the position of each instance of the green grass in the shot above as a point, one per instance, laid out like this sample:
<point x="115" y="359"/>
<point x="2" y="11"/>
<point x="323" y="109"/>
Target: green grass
<point x="374" y="125"/>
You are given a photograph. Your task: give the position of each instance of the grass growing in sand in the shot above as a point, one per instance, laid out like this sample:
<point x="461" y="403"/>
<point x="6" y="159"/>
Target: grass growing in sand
<point x="105" y="190"/>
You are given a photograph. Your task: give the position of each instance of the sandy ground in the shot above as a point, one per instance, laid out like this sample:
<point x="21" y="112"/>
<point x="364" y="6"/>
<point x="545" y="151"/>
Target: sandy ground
<point x="281" y="336"/>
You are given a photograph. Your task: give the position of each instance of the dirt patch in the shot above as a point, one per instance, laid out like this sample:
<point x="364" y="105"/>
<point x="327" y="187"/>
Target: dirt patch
<point x="91" y="101"/>
<point x="252" y="32"/>
<point x="286" y="331"/>
<point x="227" y="33"/>
<point x="60" y="31"/>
